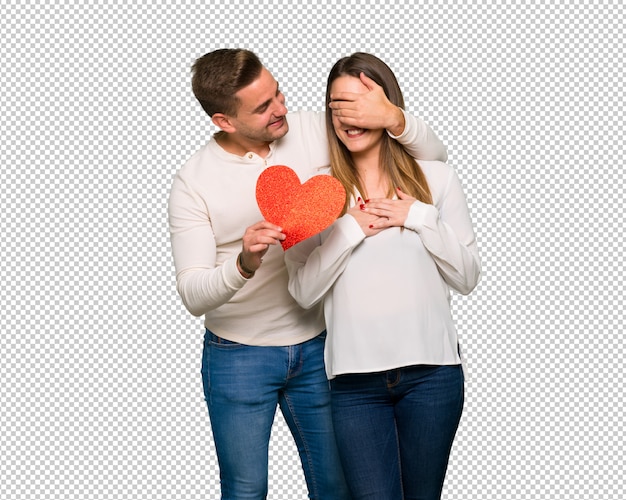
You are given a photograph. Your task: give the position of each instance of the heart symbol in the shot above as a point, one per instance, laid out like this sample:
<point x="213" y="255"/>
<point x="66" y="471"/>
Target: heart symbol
<point x="302" y="210"/>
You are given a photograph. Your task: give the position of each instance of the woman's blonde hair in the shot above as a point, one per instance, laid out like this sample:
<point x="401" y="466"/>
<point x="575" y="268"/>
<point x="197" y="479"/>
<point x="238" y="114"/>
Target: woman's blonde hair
<point x="399" y="167"/>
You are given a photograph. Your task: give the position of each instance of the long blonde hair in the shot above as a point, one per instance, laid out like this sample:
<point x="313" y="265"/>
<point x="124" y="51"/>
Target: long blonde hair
<point x="400" y="169"/>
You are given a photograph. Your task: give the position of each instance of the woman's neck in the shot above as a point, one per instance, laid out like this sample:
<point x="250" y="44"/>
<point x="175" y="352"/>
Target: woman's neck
<point x="372" y="177"/>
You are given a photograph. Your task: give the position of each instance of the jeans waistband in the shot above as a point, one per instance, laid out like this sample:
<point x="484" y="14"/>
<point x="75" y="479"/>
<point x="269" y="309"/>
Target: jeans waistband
<point x="209" y="335"/>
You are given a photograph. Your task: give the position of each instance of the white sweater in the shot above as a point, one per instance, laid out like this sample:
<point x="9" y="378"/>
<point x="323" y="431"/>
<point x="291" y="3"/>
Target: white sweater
<point x="386" y="297"/>
<point x="212" y="201"/>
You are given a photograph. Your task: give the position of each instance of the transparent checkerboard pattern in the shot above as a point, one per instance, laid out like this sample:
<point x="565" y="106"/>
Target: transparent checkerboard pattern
<point x="99" y="361"/>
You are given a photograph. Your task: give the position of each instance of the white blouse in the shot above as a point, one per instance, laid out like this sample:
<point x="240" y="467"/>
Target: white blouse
<point x="387" y="297"/>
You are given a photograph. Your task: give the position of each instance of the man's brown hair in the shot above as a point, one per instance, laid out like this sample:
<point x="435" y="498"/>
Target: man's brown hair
<point x="219" y="75"/>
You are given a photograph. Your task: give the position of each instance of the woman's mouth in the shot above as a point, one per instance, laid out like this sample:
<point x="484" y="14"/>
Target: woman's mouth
<point x="355" y="132"/>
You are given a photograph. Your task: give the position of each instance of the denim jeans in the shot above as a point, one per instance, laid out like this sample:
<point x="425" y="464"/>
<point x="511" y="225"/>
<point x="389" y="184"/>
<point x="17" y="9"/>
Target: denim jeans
<point x="395" y="430"/>
<point x="243" y="386"/>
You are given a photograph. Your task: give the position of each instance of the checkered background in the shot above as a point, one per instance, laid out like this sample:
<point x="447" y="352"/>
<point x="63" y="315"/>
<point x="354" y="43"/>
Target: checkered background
<point x="100" y="363"/>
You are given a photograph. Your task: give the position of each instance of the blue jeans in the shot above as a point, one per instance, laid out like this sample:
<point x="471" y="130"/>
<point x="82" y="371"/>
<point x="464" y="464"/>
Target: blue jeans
<point x="395" y="430"/>
<point x="243" y="385"/>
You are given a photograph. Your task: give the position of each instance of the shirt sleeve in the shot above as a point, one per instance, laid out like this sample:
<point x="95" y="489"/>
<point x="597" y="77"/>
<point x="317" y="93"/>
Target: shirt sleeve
<point x="202" y="284"/>
<point x="448" y="235"/>
<point x="420" y="141"/>
<point x="314" y="266"/>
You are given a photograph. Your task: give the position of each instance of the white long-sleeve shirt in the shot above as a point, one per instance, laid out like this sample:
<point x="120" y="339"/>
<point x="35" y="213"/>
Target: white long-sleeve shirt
<point x="387" y="297"/>
<point x="212" y="201"/>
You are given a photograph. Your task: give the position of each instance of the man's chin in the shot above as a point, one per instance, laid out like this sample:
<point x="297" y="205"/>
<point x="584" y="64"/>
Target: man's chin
<point x="281" y="132"/>
<point x="279" y="129"/>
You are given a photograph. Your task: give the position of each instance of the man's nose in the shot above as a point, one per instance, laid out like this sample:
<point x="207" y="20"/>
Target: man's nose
<point x="279" y="109"/>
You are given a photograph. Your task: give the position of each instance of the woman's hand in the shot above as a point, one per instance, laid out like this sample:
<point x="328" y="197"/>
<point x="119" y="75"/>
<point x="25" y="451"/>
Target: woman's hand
<point x="389" y="213"/>
<point x="364" y="219"/>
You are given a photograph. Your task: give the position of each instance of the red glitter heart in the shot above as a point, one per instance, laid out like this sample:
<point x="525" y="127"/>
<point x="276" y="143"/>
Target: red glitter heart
<point x="302" y="210"/>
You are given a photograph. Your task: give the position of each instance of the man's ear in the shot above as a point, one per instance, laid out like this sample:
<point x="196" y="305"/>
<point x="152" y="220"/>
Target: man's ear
<point x="223" y="122"/>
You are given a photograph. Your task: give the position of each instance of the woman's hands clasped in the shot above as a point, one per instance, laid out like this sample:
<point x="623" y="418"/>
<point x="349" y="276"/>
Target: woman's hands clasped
<point x="384" y="213"/>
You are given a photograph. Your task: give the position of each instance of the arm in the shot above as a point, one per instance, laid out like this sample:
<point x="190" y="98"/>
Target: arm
<point x="314" y="266"/>
<point x="448" y="235"/>
<point x="373" y="109"/>
<point x="201" y="283"/>
<point x="419" y="139"/>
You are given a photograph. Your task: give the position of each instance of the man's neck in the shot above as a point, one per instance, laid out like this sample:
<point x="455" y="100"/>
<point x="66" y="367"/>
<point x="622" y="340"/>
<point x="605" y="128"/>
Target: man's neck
<point x="230" y="145"/>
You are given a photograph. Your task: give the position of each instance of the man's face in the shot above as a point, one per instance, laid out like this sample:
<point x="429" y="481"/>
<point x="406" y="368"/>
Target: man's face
<point x="261" y="113"/>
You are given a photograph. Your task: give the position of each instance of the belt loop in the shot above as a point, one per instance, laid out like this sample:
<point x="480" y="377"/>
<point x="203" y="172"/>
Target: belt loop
<point x="214" y="338"/>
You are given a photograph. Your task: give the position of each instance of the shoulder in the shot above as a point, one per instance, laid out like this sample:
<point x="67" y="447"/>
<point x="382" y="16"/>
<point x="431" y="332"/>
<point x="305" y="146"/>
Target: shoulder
<point x="308" y="121"/>
<point x="204" y="160"/>
<point x="438" y="174"/>
<point x="306" y="142"/>
<point x="436" y="171"/>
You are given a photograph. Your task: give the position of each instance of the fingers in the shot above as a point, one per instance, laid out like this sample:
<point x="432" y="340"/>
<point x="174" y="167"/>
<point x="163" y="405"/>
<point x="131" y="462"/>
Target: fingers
<point x="261" y="234"/>
<point x="390" y="212"/>
<point x="366" y="221"/>
<point x="367" y="81"/>
<point x="256" y="241"/>
<point x="370" y="109"/>
<point x="402" y="195"/>
<point x="346" y="111"/>
<point x="337" y="97"/>
<point x="264" y="225"/>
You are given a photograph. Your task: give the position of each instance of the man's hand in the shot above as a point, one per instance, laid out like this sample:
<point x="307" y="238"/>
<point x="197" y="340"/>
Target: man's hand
<point x="256" y="241"/>
<point x="368" y="110"/>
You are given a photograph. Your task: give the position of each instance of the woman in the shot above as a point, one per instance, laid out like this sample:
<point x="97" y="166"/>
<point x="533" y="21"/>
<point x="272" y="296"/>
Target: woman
<point x="384" y="270"/>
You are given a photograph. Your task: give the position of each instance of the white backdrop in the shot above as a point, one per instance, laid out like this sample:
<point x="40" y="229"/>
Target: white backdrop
<point x="100" y="363"/>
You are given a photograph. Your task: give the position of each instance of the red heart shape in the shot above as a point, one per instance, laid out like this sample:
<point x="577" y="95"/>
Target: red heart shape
<point x="302" y="210"/>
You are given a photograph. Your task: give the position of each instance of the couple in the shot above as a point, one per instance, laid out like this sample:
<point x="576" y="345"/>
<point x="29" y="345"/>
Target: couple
<point x="377" y="280"/>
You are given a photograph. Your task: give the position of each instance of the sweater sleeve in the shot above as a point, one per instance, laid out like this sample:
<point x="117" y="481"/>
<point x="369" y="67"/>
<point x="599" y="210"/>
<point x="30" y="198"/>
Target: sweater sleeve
<point x="202" y="284"/>
<point x="420" y="141"/>
<point x="314" y="266"/>
<point x="448" y="235"/>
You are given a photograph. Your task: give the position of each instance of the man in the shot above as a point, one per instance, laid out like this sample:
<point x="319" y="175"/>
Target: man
<point x="261" y="349"/>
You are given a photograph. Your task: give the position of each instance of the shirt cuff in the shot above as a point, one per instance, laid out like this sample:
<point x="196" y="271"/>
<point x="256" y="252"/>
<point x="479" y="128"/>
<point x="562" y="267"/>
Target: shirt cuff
<point x="232" y="274"/>
<point x="421" y="216"/>
<point x="350" y="229"/>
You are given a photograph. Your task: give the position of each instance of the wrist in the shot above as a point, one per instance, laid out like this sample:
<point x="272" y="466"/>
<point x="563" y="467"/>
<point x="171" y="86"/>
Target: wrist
<point x="397" y="127"/>
<point x="243" y="270"/>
